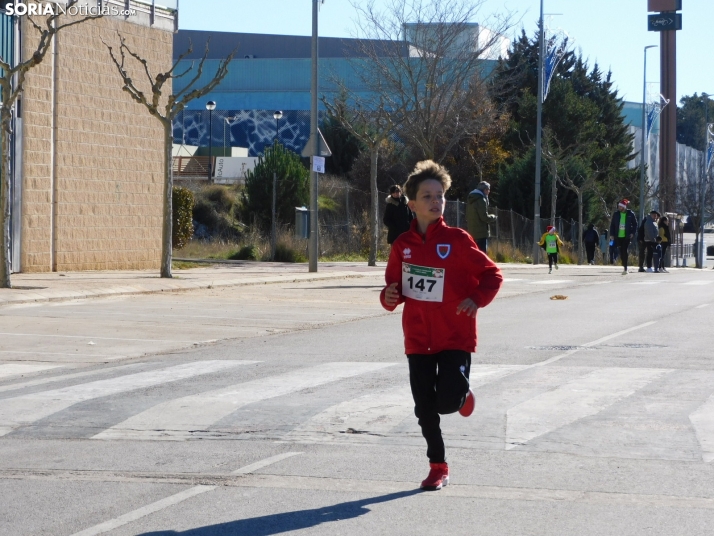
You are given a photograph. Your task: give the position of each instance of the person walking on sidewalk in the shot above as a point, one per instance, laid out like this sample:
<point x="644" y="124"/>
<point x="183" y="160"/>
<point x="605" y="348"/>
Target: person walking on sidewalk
<point x="551" y="243"/>
<point x="623" y="227"/>
<point x="442" y="278"/>
<point x="478" y="219"/>
<point x="397" y="216"/>
<point x="666" y="240"/>
<point x="651" y="234"/>
<point x="591" y="238"/>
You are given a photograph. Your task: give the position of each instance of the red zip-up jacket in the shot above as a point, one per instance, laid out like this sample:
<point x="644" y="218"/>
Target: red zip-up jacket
<point x="431" y="326"/>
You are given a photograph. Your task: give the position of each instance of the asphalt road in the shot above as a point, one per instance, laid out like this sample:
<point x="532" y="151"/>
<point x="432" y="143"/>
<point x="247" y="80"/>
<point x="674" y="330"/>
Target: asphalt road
<point x="285" y="408"/>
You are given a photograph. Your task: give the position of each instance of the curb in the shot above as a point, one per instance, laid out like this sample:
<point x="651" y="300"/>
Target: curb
<point x="171" y="285"/>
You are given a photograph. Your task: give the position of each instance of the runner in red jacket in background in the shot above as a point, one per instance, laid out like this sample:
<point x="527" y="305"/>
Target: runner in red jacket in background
<point x="442" y="278"/>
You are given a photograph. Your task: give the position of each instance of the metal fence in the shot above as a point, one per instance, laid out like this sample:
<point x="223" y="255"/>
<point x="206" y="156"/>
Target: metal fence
<point x="346" y="229"/>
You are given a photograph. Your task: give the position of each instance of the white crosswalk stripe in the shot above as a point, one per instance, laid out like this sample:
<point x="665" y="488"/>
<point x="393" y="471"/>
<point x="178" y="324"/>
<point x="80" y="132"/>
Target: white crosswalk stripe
<point x="175" y="419"/>
<point x="18" y="369"/>
<point x="703" y="422"/>
<point x="26" y="409"/>
<point x="541" y="405"/>
<point x="376" y="414"/>
<point x="573" y="401"/>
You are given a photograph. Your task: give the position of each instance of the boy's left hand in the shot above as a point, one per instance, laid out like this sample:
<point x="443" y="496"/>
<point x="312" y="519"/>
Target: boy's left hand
<point x="467" y="306"/>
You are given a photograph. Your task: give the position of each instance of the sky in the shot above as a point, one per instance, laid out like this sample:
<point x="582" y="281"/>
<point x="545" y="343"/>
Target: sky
<point x="612" y="33"/>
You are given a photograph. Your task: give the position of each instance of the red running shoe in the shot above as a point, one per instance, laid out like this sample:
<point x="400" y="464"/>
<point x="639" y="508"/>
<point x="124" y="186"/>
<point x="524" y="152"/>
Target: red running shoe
<point x="438" y="477"/>
<point x="469" y="404"/>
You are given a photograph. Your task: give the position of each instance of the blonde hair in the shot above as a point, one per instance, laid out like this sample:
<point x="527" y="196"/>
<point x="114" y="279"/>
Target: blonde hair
<point x="425" y="170"/>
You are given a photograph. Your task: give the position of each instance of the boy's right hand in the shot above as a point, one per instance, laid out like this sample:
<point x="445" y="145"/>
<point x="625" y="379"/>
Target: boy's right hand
<point x="391" y="295"/>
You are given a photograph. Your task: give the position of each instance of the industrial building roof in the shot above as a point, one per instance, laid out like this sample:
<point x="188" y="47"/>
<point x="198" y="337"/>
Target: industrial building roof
<point x="266" y="46"/>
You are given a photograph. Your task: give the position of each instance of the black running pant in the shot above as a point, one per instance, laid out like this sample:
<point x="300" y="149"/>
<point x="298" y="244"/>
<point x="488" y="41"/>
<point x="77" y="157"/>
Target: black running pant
<point x="649" y="246"/>
<point x="590" y="250"/>
<point x="439" y="385"/>
<point x="552" y="258"/>
<point x="623" y="243"/>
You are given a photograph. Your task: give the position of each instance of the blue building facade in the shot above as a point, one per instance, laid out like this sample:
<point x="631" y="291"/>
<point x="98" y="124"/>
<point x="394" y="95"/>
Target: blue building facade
<point x="268" y="73"/>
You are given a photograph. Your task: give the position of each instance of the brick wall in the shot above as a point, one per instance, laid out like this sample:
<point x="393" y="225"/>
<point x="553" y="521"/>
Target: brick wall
<point x="108" y="187"/>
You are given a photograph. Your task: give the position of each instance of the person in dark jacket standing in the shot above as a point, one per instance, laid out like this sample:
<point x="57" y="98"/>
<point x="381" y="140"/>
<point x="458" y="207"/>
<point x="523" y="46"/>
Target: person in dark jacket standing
<point x="591" y="238"/>
<point x="650" y="235"/>
<point x="622" y="229"/>
<point x="397" y="216"/>
<point x="478" y="219"/>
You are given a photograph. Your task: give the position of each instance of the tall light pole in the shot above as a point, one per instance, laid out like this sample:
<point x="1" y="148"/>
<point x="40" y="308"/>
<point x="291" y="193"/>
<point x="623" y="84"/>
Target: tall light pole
<point x="702" y="245"/>
<point x="539" y="138"/>
<point x="274" y="227"/>
<point x="644" y="151"/>
<point x="315" y="149"/>
<point x="210" y="106"/>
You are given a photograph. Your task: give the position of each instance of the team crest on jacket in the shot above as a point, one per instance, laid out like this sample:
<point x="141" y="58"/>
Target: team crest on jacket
<point x="407" y="253"/>
<point x="443" y="250"/>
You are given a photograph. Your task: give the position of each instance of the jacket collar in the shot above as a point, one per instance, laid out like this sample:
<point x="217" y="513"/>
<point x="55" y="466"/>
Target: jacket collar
<point x="433" y="229"/>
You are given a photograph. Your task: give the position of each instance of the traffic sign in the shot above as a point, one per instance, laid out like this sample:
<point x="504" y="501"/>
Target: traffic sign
<point x="664" y="22"/>
<point x="323" y="148"/>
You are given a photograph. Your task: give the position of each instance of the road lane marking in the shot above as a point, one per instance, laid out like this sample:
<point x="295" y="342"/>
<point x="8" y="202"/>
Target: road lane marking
<point x="264" y="463"/>
<point x="697" y="283"/>
<point x="26" y="409"/>
<point x="551" y="281"/>
<point x="175" y="419"/>
<point x="145" y="511"/>
<point x="573" y="401"/>
<point x="702" y="306"/>
<point x="702" y="420"/>
<point x="175" y="499"/>
<point x="618" y="334"/>
<point x="17" y="369"/>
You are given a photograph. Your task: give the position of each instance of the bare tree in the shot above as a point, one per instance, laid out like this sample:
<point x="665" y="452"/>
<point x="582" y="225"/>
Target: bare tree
<point x="12" y="84"/>
<point x="372" y="127"/>
<point x="695" y="196"/>
<point x="570" y="169"/>
<point x="165" y="112"/>
<point x="425" y="59"/>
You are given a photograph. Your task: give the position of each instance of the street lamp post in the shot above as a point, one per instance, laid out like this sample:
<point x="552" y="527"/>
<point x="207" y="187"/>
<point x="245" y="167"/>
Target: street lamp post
<point x="274" y="227"/>
<point x="702" y="254"/>
<point x="643" y="155"/>
<point x="210" y="106"/>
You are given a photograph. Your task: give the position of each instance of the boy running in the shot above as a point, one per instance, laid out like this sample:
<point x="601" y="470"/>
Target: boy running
<point x="442" y="278"/>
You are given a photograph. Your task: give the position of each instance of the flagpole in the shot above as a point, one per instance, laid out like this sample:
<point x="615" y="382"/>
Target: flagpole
<point x="539" y="141"/>
<point x="643" y="150"/>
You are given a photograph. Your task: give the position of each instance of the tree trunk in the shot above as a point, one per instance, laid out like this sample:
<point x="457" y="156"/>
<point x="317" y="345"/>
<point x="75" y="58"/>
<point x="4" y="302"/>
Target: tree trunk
<point x="580" y="227"/>
<point x="374" y="220"/>
<point x="5" y="198"/>
<point x="553" y="199"/>
<point x="168" y="200"/>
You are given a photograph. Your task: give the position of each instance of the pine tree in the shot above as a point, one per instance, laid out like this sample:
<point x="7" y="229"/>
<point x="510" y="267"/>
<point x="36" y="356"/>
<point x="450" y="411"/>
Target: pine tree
<point x="581" y="108"/>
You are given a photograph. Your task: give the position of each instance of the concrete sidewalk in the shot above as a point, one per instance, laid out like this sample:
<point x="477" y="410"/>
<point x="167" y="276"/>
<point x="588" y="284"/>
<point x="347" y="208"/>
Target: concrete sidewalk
<point x="45" y="287"/>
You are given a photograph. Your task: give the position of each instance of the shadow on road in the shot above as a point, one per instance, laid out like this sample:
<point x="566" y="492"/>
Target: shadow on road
<point x="289" y="521"/>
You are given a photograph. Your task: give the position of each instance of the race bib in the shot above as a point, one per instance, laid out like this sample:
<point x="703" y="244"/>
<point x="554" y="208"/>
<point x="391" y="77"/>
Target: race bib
<point x="423" y="283"/>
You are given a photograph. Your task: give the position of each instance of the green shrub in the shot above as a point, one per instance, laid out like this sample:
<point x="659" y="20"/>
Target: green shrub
<point x="246" y="253"/>
<point x="213" y="211"/>
<point x="292" y="187"/>
<point x="182" y="228"/>
<point x="284" y="253"/>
